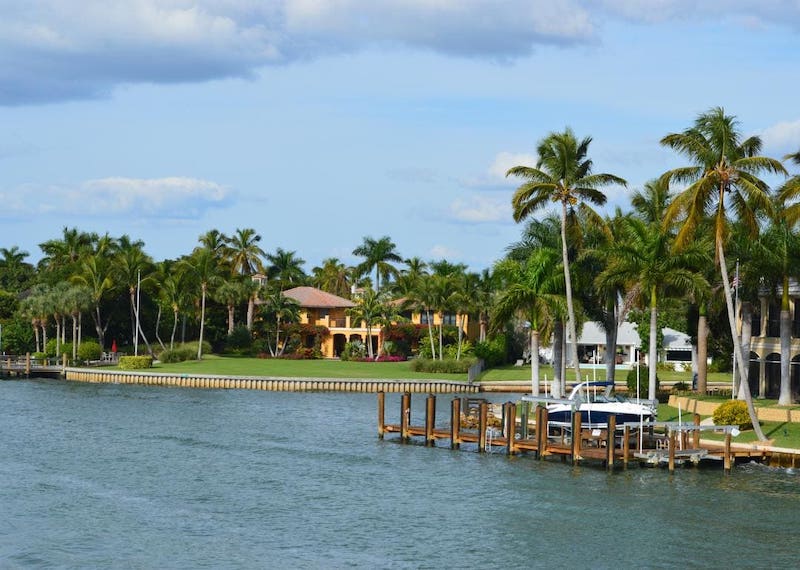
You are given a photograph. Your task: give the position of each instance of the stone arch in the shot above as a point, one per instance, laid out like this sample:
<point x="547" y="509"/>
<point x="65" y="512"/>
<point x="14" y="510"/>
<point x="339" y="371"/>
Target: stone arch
<point x="339" y="340"/>
<point x="772" y="376"/>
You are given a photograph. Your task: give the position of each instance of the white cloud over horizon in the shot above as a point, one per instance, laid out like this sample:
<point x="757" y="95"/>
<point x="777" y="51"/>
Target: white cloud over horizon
<point x="175" y="198"/>
<point x="481" y="209"/>
<point x="781" y="138"/>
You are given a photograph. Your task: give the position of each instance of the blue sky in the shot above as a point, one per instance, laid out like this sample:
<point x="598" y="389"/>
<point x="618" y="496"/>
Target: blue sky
<point x="319" y="122"/>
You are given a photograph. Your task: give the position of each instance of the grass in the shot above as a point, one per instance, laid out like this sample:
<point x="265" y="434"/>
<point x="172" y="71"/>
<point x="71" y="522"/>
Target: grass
<point x="242" y="366"/>
<point x="782" y="434"/>
<point x="511" y="372"/>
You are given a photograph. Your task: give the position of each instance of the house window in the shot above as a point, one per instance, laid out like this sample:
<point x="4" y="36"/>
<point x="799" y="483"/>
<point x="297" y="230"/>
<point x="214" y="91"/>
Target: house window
<point x="774" y="320"/>
<point x="449" y="319"/>
<point x="679" y="355"/>
<point x="423" y="318"/>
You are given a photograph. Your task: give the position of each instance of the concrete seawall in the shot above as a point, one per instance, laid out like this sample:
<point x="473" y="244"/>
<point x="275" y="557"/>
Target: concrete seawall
<point x="268" y="383"/>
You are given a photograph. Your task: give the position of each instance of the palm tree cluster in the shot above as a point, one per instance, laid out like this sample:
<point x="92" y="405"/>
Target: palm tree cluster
<point x="572" y="264"/>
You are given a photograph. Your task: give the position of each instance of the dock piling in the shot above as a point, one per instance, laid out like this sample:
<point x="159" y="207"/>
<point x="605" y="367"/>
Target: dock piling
<point x="482" y="416"/>
<point x="381" y="414"/>
<point x="430" y="419"/>
<point x="405" y="415"/>
<point x="455" y="423"/>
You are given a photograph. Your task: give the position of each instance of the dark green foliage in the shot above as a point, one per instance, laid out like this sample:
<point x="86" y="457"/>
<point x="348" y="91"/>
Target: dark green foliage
<point x="354" y="350"/>
<point x="178" y="354"/>
<point x="493" y="351"/>
<point x="448" y="366"/>
<point x="239" y="340"/>
<point x="89" y="350"/>
<point x="732" y="413"/>
<point x="630" y="380"/>
<point x="8" y="304"/>
<point x="135" y="362"/>
<point x="65" y="348"/>
<point x="17" y="337"/>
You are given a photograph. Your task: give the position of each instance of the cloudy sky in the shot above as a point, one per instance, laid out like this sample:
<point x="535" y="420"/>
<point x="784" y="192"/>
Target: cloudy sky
<point x="319" y="122"/>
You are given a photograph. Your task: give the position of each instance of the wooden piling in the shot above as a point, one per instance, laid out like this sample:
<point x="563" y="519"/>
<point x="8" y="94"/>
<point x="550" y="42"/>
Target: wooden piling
<point x="672" y="442"/>
<point x="455" y="423"/>
<point x="405" y="415"/>
<point x="511" y="427"/>
<point x="611" y="441"/>
<point x="541" y="431"/>
<point x="696" y="434"/>
<point x="576" y="437"/>
<point x="27" y="364"/>
<point x="482" y="415"/>
<point x="430" y="419"/>
<point x="381" y="414"/>
<point x="524" y="420"/>
<point x="726" y="459"/>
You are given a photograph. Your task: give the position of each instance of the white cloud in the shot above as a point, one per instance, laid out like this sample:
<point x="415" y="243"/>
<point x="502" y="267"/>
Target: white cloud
<point x="481" y="209"/>
<point x="443" y="252"/>
<point x="506" y="160"/>
<point x="163" y="198"/>
<point x="782" y="138"/>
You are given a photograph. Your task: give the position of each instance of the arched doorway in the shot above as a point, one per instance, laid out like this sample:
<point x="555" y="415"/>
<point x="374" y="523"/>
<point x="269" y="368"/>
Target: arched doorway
<point x="772" y="373"/>
<point x="754" y="374"/>
<point x="794" y="374"/>
<point x="339" y="340"/>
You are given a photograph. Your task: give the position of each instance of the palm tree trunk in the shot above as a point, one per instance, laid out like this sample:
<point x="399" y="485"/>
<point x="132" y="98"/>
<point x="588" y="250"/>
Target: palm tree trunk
<point x="158" y="324"/>
<point x="369" y="341"/>
<point x="441" y="335"/>
<point x="430" y="334"/>
<point x="568" y="284"/>
<point x="652" y="357"/>
<point x="460" y="336"/>
<point x="231" y="309"/>
<point x="611" y="340"/>
<point x="747" y="335"/>
<point x="36" y="333"/>
<point x="74" y="337"/>
<point x="558" y="358"/>
<point x="277" y="334"/>
<point x="58" y="336"/>
<point x="482" y="333"/>
<point x="174" y="329"/>
<point x="785" y="398"/>
<point x="202" y="322"/>
<point x="251" y="305"/>
<point x="534" y="361"/>
<point x="737" y="347"/>
<point x="702" y="348"/>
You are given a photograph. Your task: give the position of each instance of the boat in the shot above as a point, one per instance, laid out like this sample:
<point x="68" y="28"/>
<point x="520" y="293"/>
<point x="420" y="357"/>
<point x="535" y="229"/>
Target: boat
<point x="596" y="402"/>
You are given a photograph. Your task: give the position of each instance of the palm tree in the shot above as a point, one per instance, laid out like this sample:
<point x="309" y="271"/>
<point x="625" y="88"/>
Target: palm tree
<point x="563" y="174"/>
<point x="723" y="166"/>
<point x="78" y="299"/>
<point x="230" y="294"/>
<point x="15" y="272"/>
<point x="644" y="259"/>
<point x="202" y="266"/>
<point x="285" y="310"/>
<point x="529" y="289"/>
<point x="369" y="310"/>
<point x="286" y="269"/>
<point x="132" y="269"/>
<point x="172" y="294"/>
<point x="62" y="255"/>
<point x="243" y="253"/>
<point x="378" y="255"/>
<point x="95" y="272"/>
<point x="332" y="276"/>
<point x="215" y="241"/>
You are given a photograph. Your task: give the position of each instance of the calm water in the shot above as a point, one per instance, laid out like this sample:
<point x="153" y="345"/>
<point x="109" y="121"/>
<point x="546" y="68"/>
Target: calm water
<point x="146" y="477"/>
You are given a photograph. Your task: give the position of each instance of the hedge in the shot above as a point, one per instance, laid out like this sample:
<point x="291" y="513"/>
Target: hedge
<point x="135" y="362"/>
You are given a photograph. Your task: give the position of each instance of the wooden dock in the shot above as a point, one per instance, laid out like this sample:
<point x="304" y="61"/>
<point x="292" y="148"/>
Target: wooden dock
<point x="27" y="366"/>
<point x="524" y="427"/>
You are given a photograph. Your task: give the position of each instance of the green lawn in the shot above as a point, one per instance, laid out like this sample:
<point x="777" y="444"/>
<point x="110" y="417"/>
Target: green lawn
<point x="511" y="372"/>
<point x="240" y="366"/>
<point x="783" y="434"/>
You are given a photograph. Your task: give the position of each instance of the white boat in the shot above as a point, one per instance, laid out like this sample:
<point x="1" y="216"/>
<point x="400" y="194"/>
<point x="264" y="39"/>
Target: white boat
<point x="595" y="403"/>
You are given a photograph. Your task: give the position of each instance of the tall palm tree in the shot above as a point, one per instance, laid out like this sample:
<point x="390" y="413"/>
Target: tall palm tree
<point x="722" y="180"/>
<point x="96" y="273"/>
<point x="529" y="289"/>
<point x="243" y="252"/>
<point x="644" y="259"/>
<point x="563" y="174"/>
<point x="286" y="268"/>
<point x="60" y="256"/>
<point x="204" y="269"/>
<point x="369" y="310"/>
<point x="284" y="310"/>
<point x="133" y="269"/>
<point x="332" y="276"/>
<point x="378" y="254"/>
<point x="15" y="272"/>
<point x="230" y="294"/>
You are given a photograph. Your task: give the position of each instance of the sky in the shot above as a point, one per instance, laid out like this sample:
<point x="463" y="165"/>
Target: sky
<point x="320" y="122"/>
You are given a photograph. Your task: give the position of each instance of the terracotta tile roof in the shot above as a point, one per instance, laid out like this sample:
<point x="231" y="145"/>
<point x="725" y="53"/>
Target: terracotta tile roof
<point x="316" y="298"/>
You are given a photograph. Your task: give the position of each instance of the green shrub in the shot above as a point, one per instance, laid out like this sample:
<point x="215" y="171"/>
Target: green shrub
<point x="732" y="413"/>
<point x="644" y="385"/>
<point x="177" y="354"/>
<point x="448" y="366"/>
<point x="50" y="348"/>
<point x="89" y="350"/>
<point x="239" y="340"/>
<point x="354" y="350"/>
<point x="207" y="348"/>
<point x="493" y="351"/>
<point x="135" y="362"/>
<point x="41" y="356"/>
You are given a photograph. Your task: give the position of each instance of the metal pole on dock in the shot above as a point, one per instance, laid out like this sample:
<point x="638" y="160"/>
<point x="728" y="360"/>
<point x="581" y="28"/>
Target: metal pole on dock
<point x="482" y="414"/>
<point x="455" y="423"/>
<point x="381" y="414"/>
<point x="430" y="419"/>
<point x="405" y="415"/>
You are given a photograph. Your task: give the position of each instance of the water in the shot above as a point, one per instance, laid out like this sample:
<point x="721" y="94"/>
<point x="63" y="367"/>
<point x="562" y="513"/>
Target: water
<point x="146" y="477"/>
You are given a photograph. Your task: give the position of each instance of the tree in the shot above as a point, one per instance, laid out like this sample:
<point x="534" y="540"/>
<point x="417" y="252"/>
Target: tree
<point x="243" y="253"/>
<point x="369" y="310"/>
<point x="644" y="260"/>
<point x="529" y="289"/>
<point x="203" y="268"/>
<point x="132" y="269"/>
<point x="332" y="276"/>
<point x="563" y="174"/>
<point x="230" y="294"/>
<point x="15" y="273"/>
<point x="284" y="310"/>
<point x="95" y="272"/>
<point x="378" y="255"/>
<point x="723" y="166"/>
<point x="286" y="268"/>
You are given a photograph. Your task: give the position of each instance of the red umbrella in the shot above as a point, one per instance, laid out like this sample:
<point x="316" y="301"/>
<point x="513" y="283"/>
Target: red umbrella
<point x="114" y="346"/>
